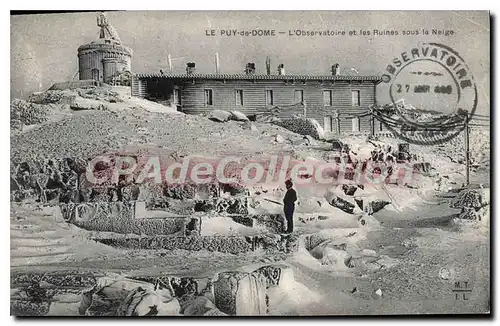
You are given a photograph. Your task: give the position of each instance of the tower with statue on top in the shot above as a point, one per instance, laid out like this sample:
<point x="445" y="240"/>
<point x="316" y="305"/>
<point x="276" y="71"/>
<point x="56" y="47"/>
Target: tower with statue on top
<point x="106" y="59"/>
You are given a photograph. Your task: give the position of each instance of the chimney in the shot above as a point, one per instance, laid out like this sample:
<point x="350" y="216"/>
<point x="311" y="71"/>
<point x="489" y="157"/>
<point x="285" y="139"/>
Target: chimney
<point x="190" y="68"/>
<point x="268" y="65"/>
<point x="217" y="63"/>
<point x="250" y="68"/>
<point x="281" y="69"/>
<point x="335" y="70"/>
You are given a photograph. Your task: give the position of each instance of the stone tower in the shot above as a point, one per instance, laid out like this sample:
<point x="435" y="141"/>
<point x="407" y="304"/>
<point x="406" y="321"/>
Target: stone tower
<point x="104" y="59"/>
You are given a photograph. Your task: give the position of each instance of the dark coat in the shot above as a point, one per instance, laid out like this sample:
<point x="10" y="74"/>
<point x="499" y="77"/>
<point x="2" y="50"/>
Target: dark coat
<point x="290" y="198"/>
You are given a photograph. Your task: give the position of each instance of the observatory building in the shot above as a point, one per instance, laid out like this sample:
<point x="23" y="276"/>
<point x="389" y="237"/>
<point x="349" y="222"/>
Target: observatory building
<point x="341" y="102"/>
<point x="106" y="59"/>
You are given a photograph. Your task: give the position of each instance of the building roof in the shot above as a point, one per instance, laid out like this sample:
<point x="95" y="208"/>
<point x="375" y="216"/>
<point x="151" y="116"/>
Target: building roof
<point x="260" y="77"/>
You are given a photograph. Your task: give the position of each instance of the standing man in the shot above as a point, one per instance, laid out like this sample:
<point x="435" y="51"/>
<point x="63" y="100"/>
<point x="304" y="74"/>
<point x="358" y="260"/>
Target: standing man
<point x="289" y="205"/>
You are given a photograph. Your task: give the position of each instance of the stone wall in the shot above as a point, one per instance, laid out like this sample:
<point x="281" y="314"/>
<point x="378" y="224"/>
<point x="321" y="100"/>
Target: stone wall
<point x="47" y="181"/>
<point x="232" y="292"/>
<point x="114" y="211"/>
<point x="128" y="209"/>
<point x="120" y="217"/>
<point x="32" y="293"/>
<point x="268" y="243"/>
<point x="55" y="181"/>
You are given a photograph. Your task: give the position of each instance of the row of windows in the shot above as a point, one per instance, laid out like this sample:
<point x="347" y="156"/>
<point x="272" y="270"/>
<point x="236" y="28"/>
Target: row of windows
<point x="298" y="97"/>
<point x="331" y="124"/>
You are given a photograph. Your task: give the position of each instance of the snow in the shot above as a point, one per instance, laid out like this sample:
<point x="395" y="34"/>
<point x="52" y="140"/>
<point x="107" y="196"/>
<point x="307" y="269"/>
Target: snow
<point x="290" y="296"/>
<point x="223" y="225"/>
<point x="347" y="249"/>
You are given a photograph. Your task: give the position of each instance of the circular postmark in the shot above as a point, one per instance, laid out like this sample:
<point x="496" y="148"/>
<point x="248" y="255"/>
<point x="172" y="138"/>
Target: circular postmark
<point x="432" y="93"/>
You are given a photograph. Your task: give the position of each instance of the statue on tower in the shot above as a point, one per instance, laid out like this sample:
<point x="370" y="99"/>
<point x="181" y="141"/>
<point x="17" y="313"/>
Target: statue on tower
<point x="107" y="31"/>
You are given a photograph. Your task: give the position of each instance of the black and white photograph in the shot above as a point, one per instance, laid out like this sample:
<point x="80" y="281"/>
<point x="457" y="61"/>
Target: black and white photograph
<point x="224" y="163"/>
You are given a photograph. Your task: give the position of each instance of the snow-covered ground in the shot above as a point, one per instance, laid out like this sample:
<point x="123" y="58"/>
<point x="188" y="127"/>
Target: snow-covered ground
<point x="402" y="259"/>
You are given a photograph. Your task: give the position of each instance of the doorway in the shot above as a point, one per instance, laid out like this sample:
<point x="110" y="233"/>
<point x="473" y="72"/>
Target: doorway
<point x="95" y="74"/>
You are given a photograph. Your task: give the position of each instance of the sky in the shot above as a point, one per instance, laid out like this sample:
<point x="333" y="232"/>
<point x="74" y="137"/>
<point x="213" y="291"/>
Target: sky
<point x="44" y="47"/>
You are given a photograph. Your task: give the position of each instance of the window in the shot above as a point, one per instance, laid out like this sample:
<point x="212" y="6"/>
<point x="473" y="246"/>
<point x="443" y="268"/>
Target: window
<point x="177" y="96"/>
<point x="269" y="97"/>
<point x="327" y="98"/>
<point x="328" y="124"/>
<point x="239" y="97"/>
<point x="355" y="124"/>
<point x="299" y="96"/>
<point x="208" y="97"/>
<point x="355" y="98"/>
